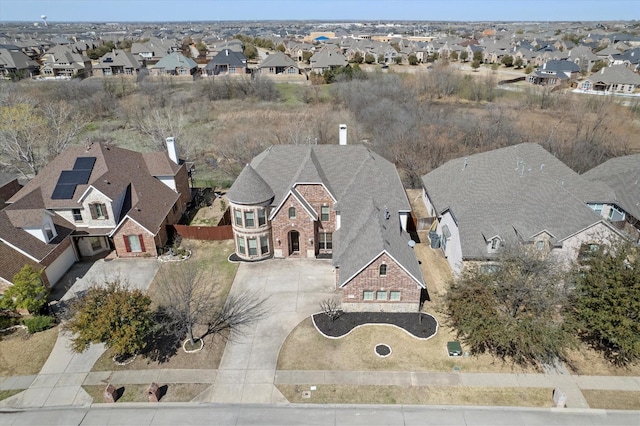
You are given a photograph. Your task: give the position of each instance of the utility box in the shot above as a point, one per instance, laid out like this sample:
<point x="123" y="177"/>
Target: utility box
<point x="454" y="348"/>
<point x="110" y="394"/>
<point x="153" y="392"/>
<point x="435" y="239"/>
<point x="559" y="398"/>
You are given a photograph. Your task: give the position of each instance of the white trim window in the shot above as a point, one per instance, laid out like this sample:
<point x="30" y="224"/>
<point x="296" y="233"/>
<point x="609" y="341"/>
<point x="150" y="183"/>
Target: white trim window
<point x="367" y="295"/>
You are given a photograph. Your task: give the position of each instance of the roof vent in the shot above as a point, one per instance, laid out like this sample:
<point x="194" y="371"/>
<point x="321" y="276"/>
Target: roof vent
<point x="386" y="213"/>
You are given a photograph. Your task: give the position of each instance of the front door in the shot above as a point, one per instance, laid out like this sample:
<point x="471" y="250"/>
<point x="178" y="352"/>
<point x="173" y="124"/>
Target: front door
<point x="294" y="242"/>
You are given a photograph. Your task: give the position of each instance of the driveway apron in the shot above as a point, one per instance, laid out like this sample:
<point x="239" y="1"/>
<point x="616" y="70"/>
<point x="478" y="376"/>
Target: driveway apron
<point x="60" y="379"/>
<point x="294" y="288"/>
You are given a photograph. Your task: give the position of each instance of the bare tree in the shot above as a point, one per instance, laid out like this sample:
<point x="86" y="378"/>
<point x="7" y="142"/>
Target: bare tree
<point x="331" y="308"/>
<point x="63" y="124"/>
<point x="189" y="300"/>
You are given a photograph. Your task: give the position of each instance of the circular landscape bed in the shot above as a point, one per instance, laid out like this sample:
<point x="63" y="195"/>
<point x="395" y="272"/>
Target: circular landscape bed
<point x="419" y="325"/>
<point x="382" y="350"/>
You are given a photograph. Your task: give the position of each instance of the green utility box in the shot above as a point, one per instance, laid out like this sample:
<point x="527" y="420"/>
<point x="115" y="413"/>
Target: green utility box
<point x="454" y="349"/>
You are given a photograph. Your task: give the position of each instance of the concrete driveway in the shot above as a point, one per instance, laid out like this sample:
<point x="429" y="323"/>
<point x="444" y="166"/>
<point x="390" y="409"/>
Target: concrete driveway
<point x="295" y="288"/>
<point x="59" y="380"/>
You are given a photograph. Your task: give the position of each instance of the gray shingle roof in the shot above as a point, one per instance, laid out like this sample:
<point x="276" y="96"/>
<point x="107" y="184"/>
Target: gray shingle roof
<point x="622" y="175"/>
<point x="362" y="183"/>
<point x="278" y="59"/>
<point x="175" y="60"/>
<point x="227" y="57"/>
<point x="520" y="190"/>
<point x="615" y="74"/>
<point x="249" y="188"/>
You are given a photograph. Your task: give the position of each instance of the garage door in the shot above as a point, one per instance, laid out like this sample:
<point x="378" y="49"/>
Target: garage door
<point x="58" y="267"/>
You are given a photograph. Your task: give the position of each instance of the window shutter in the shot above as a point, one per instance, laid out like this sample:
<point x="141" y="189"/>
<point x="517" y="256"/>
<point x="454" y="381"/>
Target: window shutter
<point x="126" y="243"/>
<point x="141" y="242"/>
<point x="105" y="212"/>
<point x="94" y="214"/>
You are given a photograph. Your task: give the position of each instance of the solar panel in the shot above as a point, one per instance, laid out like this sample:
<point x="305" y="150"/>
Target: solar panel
<point x="75" y="177"/>
<point x="63" y="192"/>
<point x="66" y="177"/>
<point x="84" y="163"/>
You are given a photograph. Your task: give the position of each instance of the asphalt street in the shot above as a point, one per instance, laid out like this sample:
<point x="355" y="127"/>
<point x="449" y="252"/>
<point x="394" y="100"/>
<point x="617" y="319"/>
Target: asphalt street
<point x="263" y="415"/>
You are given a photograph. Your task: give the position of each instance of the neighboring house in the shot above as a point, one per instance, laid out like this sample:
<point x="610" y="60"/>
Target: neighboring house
<point x="615" y="79"/>
<point x="583" y="56"/>
<point x="15" y="63"/>
<point x="553" y="73"/>
<point x="91" y="199"/>
<point x="117" y="62"/>
<point x="331" y="201"/>
<point x="9" y="186"/>
<point x="174" y="64"/>
<point x="326" y="60"/>
<point x="521" y="193"/>
<point x="622" y="175"/>
<point x="227" y="62"/>
<point x="62" y="61"/>
<point x="278" y="63"/>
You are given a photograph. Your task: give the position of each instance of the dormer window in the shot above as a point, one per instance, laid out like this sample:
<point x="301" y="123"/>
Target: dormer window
<point x="494" y="244"/>
<point x="49" y="233"/>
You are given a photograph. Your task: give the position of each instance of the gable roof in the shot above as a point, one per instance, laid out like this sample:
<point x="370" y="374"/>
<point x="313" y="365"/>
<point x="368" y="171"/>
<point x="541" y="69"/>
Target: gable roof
<point x="513" y="192"/>
<point x="117" y="172"/>
<point x="622" y="175"/>
<point x="363" y="184"/>
<point x="118" y="58"/>
<point x="615" y="74"/>
<point x="227" y="57"/>
<point x="278" y="59"/>
<point x="175" y="60"/>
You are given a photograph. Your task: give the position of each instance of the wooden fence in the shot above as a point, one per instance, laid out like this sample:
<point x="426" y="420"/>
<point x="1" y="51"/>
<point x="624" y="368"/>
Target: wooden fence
<point x="203" y="232"/>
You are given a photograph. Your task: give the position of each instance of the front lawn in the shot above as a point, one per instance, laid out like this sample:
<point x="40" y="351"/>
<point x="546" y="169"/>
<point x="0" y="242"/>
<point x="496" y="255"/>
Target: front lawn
<point x="169" y="354"/>
<point x="430" y="395"/>
<point x="23" y="354"/>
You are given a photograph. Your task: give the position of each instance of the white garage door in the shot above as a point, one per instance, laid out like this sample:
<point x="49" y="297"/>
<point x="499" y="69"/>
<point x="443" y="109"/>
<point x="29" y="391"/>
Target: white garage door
<point x="56" y="270"/>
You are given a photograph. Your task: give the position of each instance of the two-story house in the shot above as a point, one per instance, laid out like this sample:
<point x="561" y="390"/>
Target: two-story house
<point x="90" y="199"/>
<point x="342" y="202"/>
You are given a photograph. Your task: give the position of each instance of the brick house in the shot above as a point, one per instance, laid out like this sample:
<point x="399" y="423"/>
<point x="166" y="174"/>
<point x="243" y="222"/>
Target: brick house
<point x="342" y="202"/>
<point x="91" y="199"/>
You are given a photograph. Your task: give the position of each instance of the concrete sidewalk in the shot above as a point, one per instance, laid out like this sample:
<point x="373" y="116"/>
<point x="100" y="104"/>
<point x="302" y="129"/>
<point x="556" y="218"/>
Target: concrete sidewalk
<point x="59" y="381"/>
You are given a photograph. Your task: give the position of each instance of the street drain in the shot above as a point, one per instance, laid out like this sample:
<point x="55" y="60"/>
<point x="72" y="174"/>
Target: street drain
<point x="382" y="350"/>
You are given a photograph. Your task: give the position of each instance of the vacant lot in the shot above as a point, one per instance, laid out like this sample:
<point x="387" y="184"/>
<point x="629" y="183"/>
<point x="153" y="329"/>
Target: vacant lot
<point x="23" y="354"/>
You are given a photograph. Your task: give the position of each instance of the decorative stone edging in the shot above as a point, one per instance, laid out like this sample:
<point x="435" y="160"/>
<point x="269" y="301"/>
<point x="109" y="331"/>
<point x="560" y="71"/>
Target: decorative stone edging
<point x="173" y="258"/>
<point x="13" y="327"/>
<point x="376" y="323"/>
<point x="126" y="361"/>
<point x="191" y="351"/>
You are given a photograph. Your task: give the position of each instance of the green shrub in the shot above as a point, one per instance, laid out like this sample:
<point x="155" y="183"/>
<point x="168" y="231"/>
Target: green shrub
<point x="38" y="323"/>
<point x="8" y="319"/>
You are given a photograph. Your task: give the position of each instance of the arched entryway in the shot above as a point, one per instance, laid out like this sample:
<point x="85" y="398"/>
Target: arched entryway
<point x="294" y="242"/>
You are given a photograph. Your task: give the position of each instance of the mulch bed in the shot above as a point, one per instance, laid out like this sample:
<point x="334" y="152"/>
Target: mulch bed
<point x="419" y="325"/>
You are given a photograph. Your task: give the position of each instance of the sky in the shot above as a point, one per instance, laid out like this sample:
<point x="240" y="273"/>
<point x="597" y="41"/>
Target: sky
<point x="349" y="10"/>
